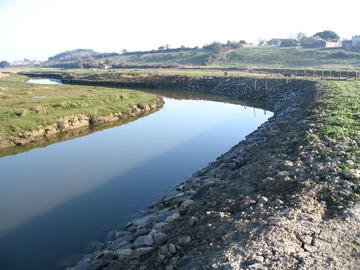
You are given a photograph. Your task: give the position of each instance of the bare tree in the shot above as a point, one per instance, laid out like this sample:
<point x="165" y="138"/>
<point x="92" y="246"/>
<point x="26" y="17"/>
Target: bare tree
<point x="301" y="36"/>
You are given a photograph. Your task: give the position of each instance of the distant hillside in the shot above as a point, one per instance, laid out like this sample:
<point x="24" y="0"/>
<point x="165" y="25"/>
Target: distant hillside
<point x="79" y="54"/>
<point x="262" y="56"/>
<point x="258" y="56"/>
<point x="289" y="57"/>
<point x="186" y="57"/>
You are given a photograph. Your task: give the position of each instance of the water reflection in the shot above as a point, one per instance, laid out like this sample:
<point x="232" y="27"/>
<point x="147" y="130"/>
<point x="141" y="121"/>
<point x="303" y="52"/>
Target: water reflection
<point x="44" y="81"/>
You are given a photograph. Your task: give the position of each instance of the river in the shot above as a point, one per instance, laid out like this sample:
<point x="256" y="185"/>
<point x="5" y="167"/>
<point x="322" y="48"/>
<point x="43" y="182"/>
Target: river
<point x="56" y="200"/>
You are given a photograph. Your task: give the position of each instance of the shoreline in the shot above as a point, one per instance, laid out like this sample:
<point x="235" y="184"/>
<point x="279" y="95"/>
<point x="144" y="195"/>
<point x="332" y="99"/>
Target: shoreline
<point x="68" y="124"/>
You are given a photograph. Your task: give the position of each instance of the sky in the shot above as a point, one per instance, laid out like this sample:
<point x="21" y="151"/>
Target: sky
<point x="38" y="29"/>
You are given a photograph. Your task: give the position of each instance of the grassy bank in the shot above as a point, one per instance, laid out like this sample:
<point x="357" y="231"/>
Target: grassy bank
<point x="28" y="107"/>
<point x="337" y="140"/>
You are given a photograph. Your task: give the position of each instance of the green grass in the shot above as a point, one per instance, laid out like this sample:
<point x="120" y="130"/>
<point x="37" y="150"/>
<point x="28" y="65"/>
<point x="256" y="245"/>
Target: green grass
<point x="338" y="110"/>
<point x="27" y="107"/>
<point x="191" y="57"/>
<point x="289" y="57"/>
<point x="190" y="72"/>
<point x="258" y="56"/>
<point x="342" y="104"/>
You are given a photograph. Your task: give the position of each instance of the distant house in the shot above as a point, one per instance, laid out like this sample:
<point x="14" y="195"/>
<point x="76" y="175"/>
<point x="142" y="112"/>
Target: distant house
<point x="316" y="42"/>
<point x="332" y="44"/>
<point x="275" y="42"/>
<point x="347" y="44"/>
<point x="289" y="43"/>
<point x="283" y="42"/>
<point x="248" y="45"/>
<point x="356" y="42"/>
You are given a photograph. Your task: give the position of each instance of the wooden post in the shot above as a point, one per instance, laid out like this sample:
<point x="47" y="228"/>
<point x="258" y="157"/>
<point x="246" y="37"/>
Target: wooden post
<point x="255" y="84"/>
<point x="287" y="79"/>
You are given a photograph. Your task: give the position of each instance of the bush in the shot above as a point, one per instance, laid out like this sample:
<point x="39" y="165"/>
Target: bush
<point x="4" y="64"/>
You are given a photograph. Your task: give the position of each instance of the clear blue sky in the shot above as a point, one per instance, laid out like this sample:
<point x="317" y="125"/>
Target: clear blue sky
<point x="37" y="29"/>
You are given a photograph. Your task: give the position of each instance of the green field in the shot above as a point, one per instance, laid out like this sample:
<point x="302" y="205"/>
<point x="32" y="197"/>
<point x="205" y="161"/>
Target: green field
<point x="192" y="57"/>
<point x="289" y="57"/>
<point x="259" y="56"/>
<point x="27" y="107"/>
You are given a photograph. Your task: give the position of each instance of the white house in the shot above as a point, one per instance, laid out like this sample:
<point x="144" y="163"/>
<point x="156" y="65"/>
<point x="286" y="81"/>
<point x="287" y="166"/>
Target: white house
<point x="356" y="42"/>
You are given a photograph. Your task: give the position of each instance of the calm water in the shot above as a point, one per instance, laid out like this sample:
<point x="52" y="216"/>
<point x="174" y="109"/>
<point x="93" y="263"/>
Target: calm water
<point x="54" y="201"/>
<point x="44" y="81"/>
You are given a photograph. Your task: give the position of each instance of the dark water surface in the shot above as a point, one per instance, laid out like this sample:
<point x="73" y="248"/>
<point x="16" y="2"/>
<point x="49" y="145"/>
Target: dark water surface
<point x="56" y="200"/>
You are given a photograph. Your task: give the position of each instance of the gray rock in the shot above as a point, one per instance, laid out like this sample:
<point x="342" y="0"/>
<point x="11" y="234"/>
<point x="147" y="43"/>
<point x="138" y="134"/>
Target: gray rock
<point x="255" y="266"/>
<point x="143" y="222"/>
<point x="143" y="241"/>
<point x="159" y="226"/>
<point x="173" y="217"/>
<point x="350" y="162"/>
<point x="262" y="200"/>
<point x="259" y="259"/>
<point x="158" y="237"/>
<point x="131" y="228"/>
<point x="160" y="258"/>
<point x="201" y="192"/>
<point x="124" y="253"/>
<point x="352" y="174"/>
<point x="97" y="254"/>
<point x="185" y="204"/>
<point x="118" y="243"/>
<point x="192" y="221"/>
<point x="142" y="251"/>
<point x="184" y="240"/>
<point x="97" y="264"/>
<point x="163" y="215"/>
<point x="142" y="231"/>
<point x="173" y="261"/>
<point x="172" y="248"/>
